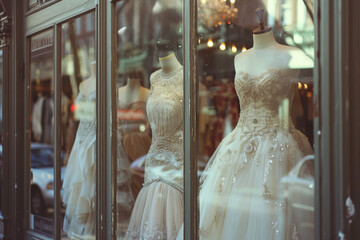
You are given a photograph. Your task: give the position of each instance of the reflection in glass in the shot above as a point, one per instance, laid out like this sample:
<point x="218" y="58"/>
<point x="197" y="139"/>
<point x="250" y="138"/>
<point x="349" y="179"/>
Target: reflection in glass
<point x="252" y="147"/>
<point x="42" y="132"/>
<point x="78" y="125"/>
<point x="150" y="133"/>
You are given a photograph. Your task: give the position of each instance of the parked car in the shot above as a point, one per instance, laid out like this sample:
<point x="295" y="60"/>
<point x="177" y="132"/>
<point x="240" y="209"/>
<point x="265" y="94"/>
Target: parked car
<point x="298" y="189"/>
<point x="42" y="177"/>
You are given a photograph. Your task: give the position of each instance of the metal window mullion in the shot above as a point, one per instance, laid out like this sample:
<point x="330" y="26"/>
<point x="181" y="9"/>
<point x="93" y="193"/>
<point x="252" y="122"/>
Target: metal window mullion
<point x="322" y="122"/>
<point x="190" y="121"/>
<point x="104" y="138"/>
<point x="57" y="126"/>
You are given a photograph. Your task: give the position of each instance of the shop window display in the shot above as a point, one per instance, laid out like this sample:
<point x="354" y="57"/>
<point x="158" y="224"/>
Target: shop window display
<point x="150" y="119"/>
<point x="251" y="150"/>
<point x="78" y="126"/>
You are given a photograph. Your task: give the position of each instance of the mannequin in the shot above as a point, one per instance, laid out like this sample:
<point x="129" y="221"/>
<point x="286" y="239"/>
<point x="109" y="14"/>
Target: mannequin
<point x="263" y="52"/>
<point x="79" y="177"/>
<point x="132" y="91"/>
<point x="241" y="196"/>
<point x="89" y="85"/>
<point x="158" y="210"/>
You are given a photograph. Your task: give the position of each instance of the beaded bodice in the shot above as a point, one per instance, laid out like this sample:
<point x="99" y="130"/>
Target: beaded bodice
<point x="265" y="99"/>
<point x="164" y="107"/>
<point x="86" y="109"/>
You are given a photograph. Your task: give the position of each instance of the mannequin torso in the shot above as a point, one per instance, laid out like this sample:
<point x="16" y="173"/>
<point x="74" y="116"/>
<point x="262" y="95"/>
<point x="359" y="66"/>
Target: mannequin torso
<point x="132" y="92"/>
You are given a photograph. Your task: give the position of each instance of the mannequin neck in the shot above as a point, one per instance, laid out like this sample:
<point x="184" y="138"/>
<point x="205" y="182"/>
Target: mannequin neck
<point x="169" y="63"/>
<point x="264" y="40"/>
<point x="133" y="83"/>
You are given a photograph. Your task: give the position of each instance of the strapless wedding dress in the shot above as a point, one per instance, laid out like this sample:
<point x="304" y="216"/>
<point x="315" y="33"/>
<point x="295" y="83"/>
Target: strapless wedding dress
<point x="240" y="196"/>
<point x="158" y="210"/>
<point x="79" y="179"/>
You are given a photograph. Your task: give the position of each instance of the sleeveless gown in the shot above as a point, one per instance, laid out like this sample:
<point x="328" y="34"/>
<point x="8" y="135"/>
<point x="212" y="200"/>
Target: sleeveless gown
<point x="79" y="178"/>
<point x="158" y="210"/>
<point x="240" y="196"/>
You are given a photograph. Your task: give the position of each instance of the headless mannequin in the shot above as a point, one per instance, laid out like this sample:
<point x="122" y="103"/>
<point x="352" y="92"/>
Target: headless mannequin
<point x="132" y="91"/>
<point x="266" y="53"/>
<point x="169" y="63"/>
<point x="89" y="85"/>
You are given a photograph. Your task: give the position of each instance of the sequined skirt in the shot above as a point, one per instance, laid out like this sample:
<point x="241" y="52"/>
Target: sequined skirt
<point x="157" y="214"/>
<point x="240" y="196"/>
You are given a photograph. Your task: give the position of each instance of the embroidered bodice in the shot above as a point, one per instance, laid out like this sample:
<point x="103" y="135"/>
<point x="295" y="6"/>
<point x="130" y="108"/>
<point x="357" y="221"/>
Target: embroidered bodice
<point x="164" y="161"/>
<point x="86" y="113"/>
<point x="265" y="99"/>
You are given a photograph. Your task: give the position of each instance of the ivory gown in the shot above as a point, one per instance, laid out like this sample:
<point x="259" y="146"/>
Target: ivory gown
<point x="158" y="210"/>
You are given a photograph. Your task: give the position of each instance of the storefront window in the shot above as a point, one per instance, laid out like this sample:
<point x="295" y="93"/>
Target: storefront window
<point x="255" y="61"/>
<point x="42" y="132"/>
<point x="78" y="126"/>
<point x="149" y="199"/>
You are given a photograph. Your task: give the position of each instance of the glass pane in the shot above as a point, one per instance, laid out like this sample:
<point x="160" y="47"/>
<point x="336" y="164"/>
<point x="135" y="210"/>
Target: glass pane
<point x="255" y="119"/>
<point x="42" y="134"/>
<point x="78" y="126"/>
<point x="149" y="202"/>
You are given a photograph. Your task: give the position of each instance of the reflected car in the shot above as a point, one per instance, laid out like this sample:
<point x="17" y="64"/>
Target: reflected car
<point x="298" y="189"/>
<point x="42" y="178"/>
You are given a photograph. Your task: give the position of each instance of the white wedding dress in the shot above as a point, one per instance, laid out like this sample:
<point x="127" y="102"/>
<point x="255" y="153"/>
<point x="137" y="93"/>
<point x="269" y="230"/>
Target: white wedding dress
<point x="239" y="189"/>
<point x="158" y="210"/>
<point x="79" y="178"/>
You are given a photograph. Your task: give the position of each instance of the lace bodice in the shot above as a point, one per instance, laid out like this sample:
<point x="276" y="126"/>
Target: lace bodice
<point x="164" y="161"/>
<point x="265" y="99"/>
<point x="86" y="109"/>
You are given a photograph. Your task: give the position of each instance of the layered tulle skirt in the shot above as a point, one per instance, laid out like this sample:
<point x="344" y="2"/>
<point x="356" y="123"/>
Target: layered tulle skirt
<point x="157" y="214"/>
<point x="79" y="188"/>
<point x="240" y="193"/>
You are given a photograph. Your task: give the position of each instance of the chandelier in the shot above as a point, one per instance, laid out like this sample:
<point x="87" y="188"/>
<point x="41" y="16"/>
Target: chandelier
<point x="214" y="13"/>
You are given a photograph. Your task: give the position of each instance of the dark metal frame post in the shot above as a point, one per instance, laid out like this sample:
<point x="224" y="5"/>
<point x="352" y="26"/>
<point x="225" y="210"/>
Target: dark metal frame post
<point x="322" y="126"/>
<point x="106" y="120"/>
<point x="331" y="126"/>
<point x="190" y="121"/>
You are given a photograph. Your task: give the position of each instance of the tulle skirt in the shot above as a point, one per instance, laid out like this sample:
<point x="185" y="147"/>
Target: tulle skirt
<point x="157" y="214"/>
<point x="79" y="188"/>
<point x="240" y="194"/>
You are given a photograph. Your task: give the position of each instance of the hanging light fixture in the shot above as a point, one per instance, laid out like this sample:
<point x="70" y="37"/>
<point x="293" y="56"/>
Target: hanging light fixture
<point x="233" y="48"/>
<point x="210" y="43"/>
<point x="222" y="46"/>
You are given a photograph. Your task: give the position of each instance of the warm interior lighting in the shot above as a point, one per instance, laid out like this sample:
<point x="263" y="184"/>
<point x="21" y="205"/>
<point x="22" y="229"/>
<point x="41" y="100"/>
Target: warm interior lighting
<point x="233" y="48"/>
<point x="305" y="86"/>
<point x="232" y="1"/>
<point x="299" y="85"/>
<point x="309" y="94"/>
<point x="243" y="49"/>
<point x="210" y="43"/>
<point x="202" y="1"/>
<point x="222" y="46"/>
<point x="219" y="23"/>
